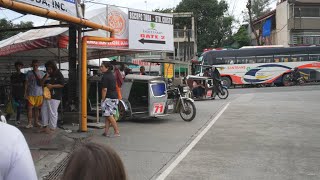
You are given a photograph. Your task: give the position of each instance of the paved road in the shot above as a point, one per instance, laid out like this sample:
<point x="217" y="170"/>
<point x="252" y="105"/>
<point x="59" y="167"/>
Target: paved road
<point x="265" y="133"/>
<point x="146" y="146"/>
<point x="269" y="133"/>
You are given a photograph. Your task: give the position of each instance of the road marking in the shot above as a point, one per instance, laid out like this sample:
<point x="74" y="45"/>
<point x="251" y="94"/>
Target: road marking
<point x="166" y="172"/>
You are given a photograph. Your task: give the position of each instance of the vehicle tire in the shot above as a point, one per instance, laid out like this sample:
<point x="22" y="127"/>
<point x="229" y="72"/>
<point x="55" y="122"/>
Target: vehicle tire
<point x="225" y="95"/>
<point x="226" y="81"/>
<point x="122" y="112"/>
<point x="190" y="112"/>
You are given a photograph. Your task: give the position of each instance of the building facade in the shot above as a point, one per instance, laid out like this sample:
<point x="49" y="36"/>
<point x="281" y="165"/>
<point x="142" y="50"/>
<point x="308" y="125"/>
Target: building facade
<point x="294" y="23"/>
<point x="298" y="22"/>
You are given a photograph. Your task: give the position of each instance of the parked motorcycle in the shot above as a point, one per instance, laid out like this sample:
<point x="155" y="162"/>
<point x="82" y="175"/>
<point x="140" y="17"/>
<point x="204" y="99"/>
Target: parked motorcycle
<point x="184" y="105"/>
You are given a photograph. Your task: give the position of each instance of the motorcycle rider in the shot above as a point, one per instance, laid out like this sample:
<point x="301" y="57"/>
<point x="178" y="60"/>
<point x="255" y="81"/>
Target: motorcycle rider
<point x="216" y="77"/>
<point x="296" y="75"/>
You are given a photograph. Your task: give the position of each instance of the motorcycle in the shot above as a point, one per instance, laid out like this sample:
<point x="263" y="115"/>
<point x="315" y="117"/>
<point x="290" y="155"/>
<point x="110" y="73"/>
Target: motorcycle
<point x="223" y="92"/>
<point x="290" y="80"/>
<point x="184" y="105"/>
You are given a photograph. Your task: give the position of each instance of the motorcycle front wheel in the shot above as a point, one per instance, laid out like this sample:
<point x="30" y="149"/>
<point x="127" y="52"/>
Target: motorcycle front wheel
<point x="224" y="93"/>
<point x="189" y="113"/>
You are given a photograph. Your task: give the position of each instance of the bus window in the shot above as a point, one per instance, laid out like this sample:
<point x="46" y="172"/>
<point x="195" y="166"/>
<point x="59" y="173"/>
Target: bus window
<point x="246" y="60"/>
<point x="260" y="59"/>
<point x="300" y="57"/>
<point x="229" y="60"/>
<point x="314" y="57"/>
<point x="267" y="59"/>
<point x="282" y="58"/>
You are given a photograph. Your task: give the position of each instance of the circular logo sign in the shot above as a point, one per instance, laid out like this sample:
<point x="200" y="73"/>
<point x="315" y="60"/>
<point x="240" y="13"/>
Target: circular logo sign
<point x="117" y="22"/>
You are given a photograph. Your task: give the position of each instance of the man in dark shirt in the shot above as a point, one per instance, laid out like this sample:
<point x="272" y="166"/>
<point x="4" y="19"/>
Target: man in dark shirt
<point x="17" y="88"/>
<point x="109" y="101"/>
<point x="216" y="77"/>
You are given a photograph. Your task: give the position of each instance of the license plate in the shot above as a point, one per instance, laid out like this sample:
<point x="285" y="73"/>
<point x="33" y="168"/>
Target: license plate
<point x="170" y="106"/>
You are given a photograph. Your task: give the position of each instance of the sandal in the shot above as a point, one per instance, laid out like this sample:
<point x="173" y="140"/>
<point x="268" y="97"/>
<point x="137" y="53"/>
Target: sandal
<point x="106" y="135"/>
<point x="37" y="124"/>
<point x="29" y="126"/>
<point x="116" y="135"/>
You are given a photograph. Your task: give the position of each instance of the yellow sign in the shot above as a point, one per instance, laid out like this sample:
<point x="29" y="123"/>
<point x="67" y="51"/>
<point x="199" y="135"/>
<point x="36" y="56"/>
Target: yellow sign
<point x="168" y="70"/>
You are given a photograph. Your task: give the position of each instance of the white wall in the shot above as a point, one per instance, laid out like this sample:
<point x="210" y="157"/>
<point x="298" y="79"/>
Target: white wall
<point x="282" y="12"/>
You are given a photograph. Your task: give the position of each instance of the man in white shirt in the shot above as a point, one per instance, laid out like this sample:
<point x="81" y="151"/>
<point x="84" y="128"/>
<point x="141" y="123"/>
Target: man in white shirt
<point x="15" y="158"/>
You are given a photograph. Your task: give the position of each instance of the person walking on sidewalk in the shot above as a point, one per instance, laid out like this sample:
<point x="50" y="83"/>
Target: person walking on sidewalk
<point x="17" y="88"/>
<point x="93" y="161"/>
<point x="54" y="81"/>
<point x="15" y="157"/>
<point x="109" y="101"/>
<point x="34" y="93"/>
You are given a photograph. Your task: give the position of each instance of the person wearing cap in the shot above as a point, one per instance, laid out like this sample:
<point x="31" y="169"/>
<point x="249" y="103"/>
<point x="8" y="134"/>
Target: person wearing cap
<point x="17" y="80"/>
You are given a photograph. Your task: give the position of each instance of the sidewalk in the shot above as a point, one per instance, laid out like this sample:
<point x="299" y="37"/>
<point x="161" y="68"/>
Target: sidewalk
<point x="51" y="152"/>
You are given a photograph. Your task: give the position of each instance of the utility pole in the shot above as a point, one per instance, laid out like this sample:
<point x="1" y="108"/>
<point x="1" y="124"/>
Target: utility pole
<point x="72" y="83"/>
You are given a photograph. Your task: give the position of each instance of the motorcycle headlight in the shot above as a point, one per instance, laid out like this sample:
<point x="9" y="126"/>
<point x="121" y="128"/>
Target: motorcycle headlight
<point x="185" y="89"/>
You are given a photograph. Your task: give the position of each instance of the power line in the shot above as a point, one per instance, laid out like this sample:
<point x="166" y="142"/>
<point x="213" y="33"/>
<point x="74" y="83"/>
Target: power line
<point x="17" y="18"/>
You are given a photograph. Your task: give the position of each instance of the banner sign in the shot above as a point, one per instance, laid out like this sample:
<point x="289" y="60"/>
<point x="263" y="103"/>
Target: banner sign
<point x="168" y="70"/>
<point x="150" y="30"/>
<point x="117" y="19"/>
<point x="63" y="6"/>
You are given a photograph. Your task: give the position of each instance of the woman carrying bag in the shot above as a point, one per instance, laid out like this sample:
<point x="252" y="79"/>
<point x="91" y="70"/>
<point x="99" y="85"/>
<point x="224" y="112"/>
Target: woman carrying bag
<point x="53" y="83"/>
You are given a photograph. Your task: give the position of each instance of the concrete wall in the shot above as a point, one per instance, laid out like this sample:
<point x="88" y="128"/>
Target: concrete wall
<point x="283" y="33"/>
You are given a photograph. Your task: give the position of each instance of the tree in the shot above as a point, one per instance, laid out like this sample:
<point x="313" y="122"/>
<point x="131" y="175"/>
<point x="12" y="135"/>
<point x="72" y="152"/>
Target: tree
<point x="257" y="8"/>
<point x="213" y="28"/>
<point x="242" y="37"/>
<point x="260" y="7"/>
<point x="4" y="24"/>
<point x="165" y="10"/>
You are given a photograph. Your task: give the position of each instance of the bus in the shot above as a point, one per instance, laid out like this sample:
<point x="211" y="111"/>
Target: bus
<point x="262" y="65"/>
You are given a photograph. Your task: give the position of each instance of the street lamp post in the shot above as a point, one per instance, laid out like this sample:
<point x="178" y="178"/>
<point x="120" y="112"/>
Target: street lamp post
<point x="146" y="5"/>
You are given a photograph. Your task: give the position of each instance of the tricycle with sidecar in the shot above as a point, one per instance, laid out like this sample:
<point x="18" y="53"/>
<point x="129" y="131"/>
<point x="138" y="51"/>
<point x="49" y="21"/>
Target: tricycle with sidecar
<point x="149" y="96"/>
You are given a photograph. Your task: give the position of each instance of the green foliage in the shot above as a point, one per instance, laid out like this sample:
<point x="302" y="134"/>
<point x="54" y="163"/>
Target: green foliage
<point x="242" y="37"/>
<point x="260" y="7"/>
<point x="213" y="28"/>
<point x="4" y="24"/>
<point x="165" y="10"/>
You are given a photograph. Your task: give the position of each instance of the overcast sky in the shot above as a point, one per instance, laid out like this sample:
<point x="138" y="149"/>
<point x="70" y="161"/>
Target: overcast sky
<point x="235" y="8"/>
